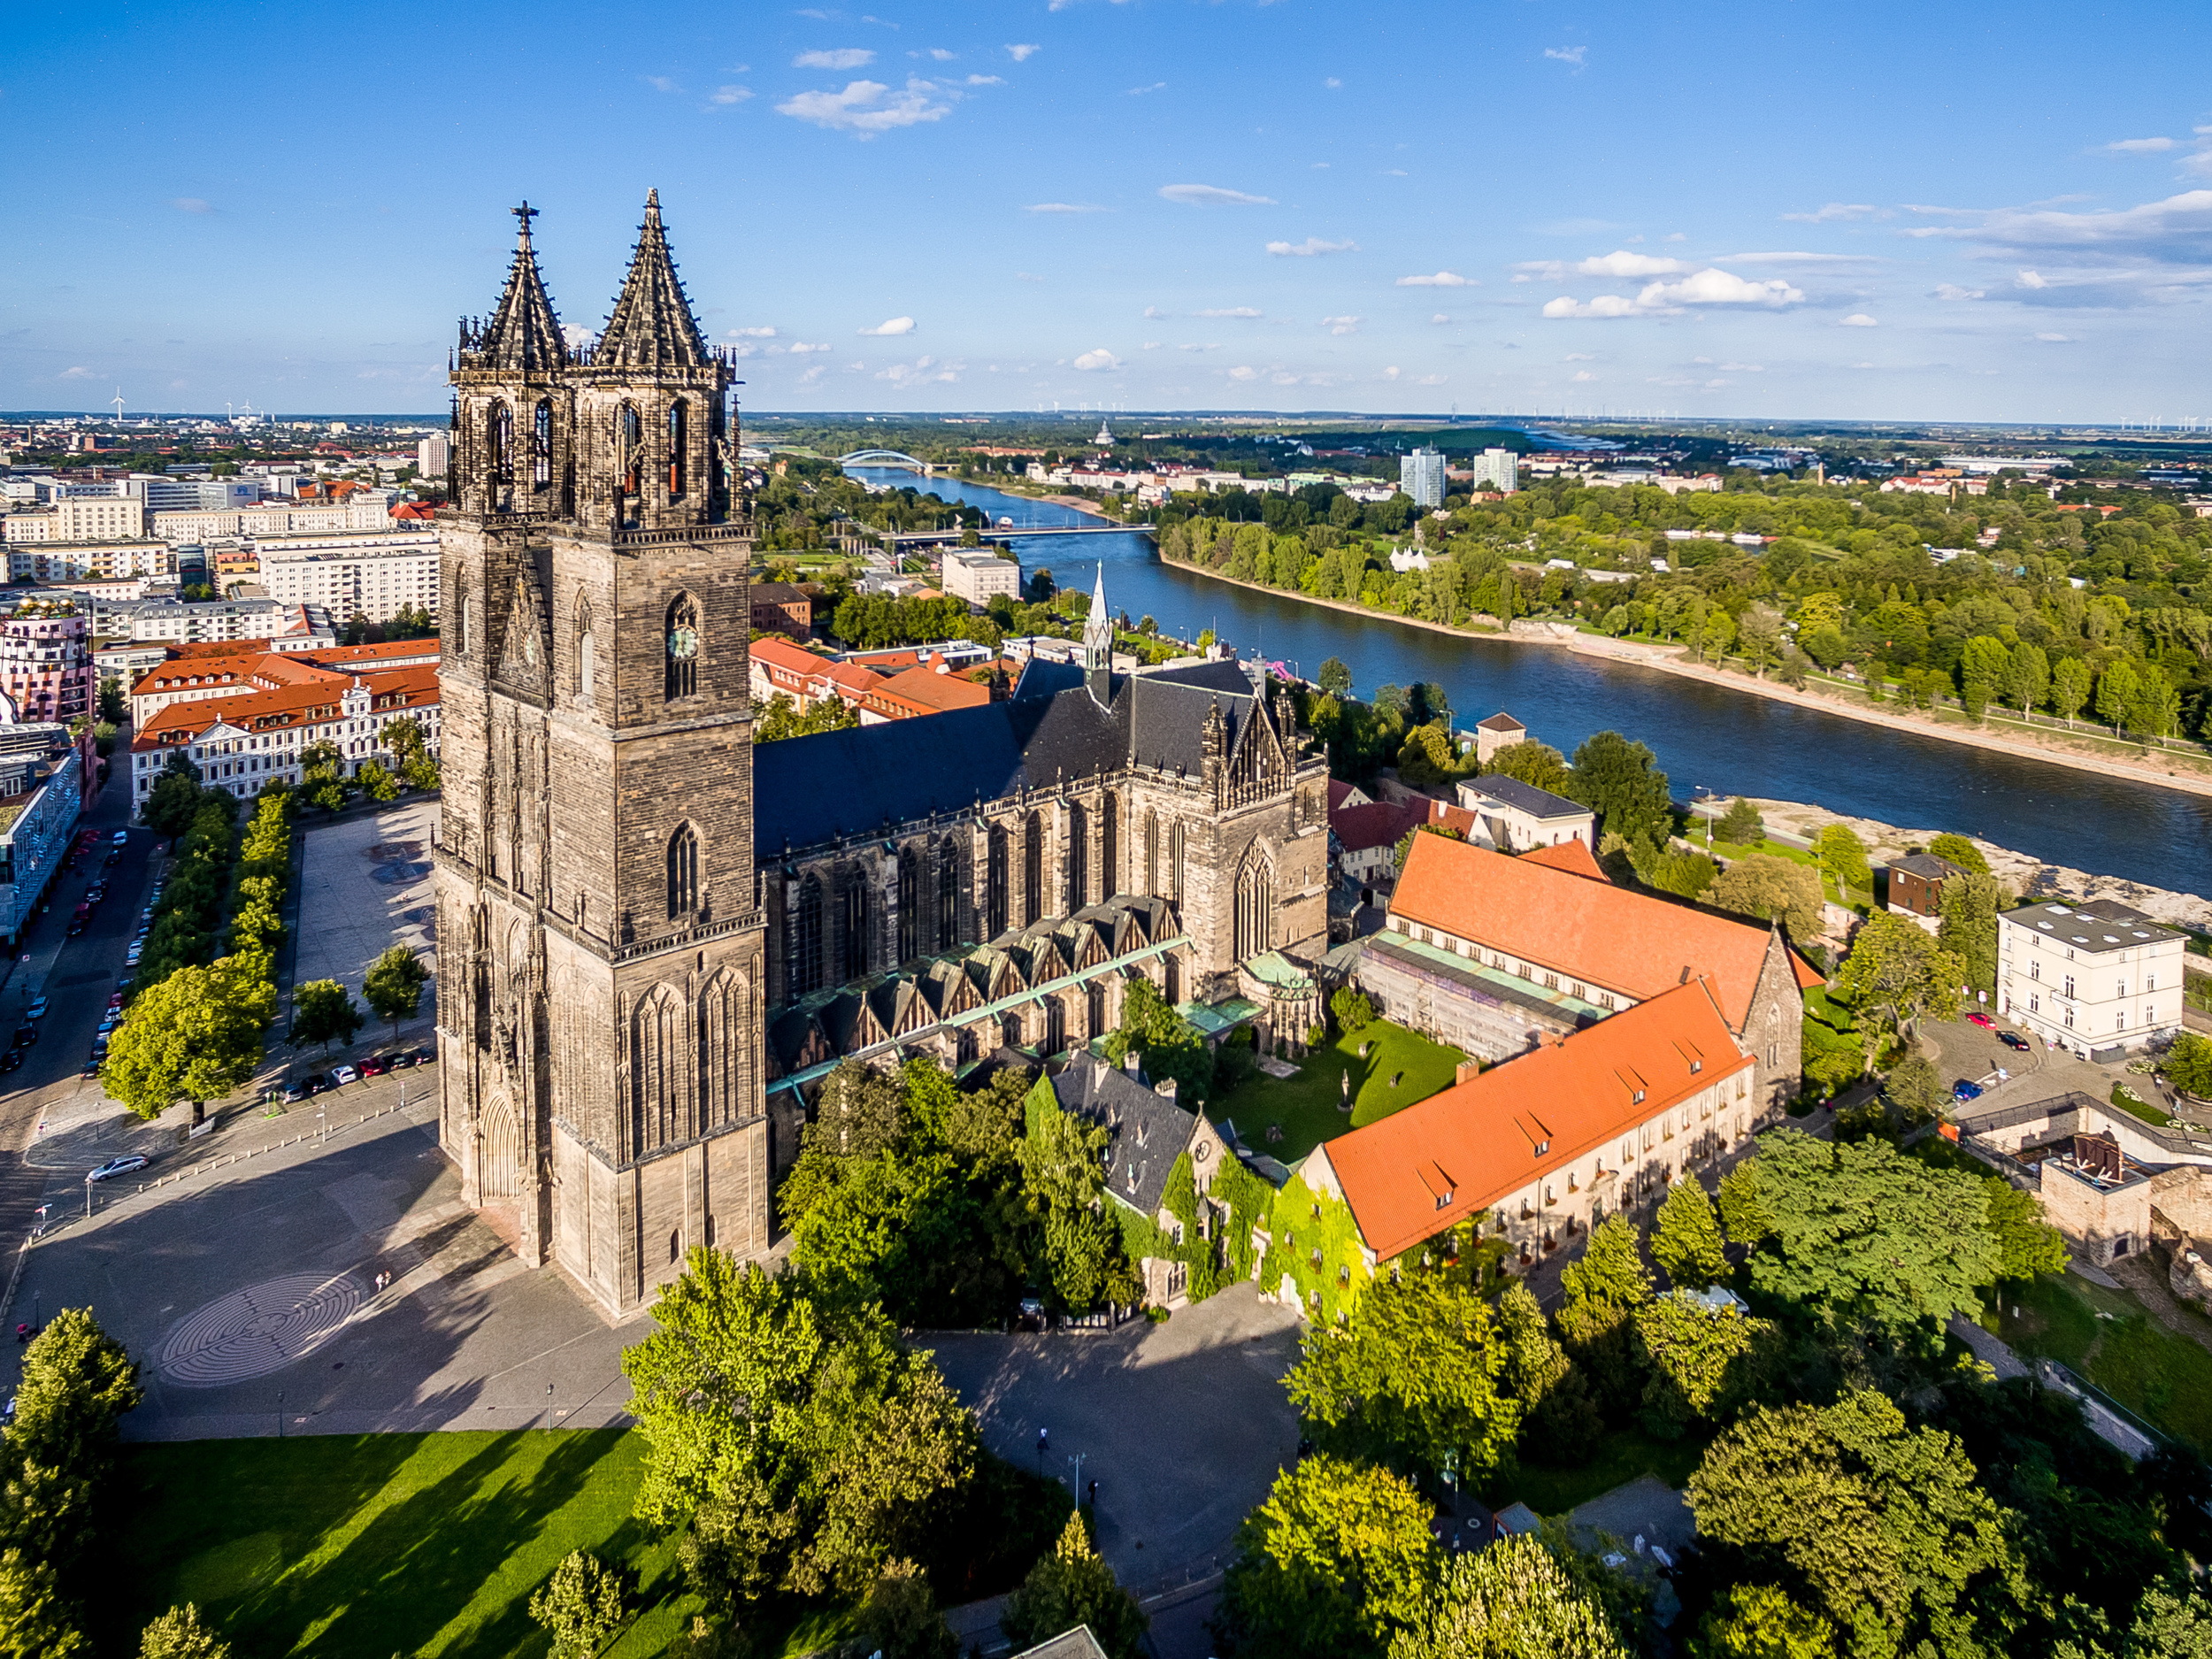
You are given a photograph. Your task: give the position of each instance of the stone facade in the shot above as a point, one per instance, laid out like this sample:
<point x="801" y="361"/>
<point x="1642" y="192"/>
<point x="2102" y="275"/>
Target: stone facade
<point x="597" y="921"/>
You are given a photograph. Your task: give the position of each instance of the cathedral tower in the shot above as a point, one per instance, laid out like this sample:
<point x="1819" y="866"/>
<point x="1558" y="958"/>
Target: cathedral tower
<point x="599" y="950"/>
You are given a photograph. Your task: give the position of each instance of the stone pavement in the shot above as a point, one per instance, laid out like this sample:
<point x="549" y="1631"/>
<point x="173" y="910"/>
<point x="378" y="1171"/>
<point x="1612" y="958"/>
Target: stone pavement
<point x="1184" y="1426"/>
<point x="365" y="886"/>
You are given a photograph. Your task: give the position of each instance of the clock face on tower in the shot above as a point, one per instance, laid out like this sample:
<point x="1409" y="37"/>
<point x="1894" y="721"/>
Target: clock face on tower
<point x="683" y="642"/>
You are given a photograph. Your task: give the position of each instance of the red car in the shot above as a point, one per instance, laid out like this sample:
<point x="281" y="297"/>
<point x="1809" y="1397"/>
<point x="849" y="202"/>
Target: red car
<point x="1983" y="1020"/>
<point x="375" y="1066"/>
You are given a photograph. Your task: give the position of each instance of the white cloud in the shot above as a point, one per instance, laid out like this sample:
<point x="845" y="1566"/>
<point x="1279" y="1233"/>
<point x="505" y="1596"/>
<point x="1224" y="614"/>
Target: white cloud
<point x="1063" y="207"/>
<point x="1243" y="372"/>
<point x="1310" y="247"/>
<point x="1150" y="345"/>
<point x="922" y="369"/>
<point x="1438" y="320"/>
<point x="1098" y="357"/>
<point x="1441" y="280"/>
<point x="1834" y="210"/>
<point x="942" y="54"/>
<point x="1341" y="325"/>
<point x="2140" y="146"/>
<point x="1863" y="365"/>
<point x="1582" y="375"/>
<point x="1620" y="263"/>
<point x="2033" y="279"/>
<point x="799" y="348"/>
<point x="1795" y="256"/>
<point x="985" y="80"/>
<point x="750" y="333"/>
<point x="731" y="94"/>
<point x="1391" y="374"/>
<point x="1953" y="291"/>
<point x="2056" y="340"/>
<point x="660" y="84"/>
<point x="894" y="326"/>
<point x="79" y="372"/>
<point x="190" y="204"/>
<point x="1157" y="86"/>
<point x="1231" y="310"/>
<point x="1604" y="305"/>
<point x="1332" y="83"/>
<point x="1212" y="195"/>
<point x="1211" y="345"/>
<point x="1580" y="356"/>
<point x="1709" y="287"/>
<point x="867" y="107"/>
<point x="1677" y="235"/>
<point x="1744" y="368"/>
<point x="1430" y="380"/>
<point x="1567" y="54"/>
<point x="842" y="57"/>
<point x="1858" y="320"/>
<point x="813" y="374"/>
<point x="1022" y="54"/>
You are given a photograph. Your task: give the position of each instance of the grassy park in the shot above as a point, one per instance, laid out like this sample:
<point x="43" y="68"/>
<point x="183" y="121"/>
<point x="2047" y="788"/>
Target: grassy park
<point x="2105" y="1336"/>
<point x="1309" y="1106"/>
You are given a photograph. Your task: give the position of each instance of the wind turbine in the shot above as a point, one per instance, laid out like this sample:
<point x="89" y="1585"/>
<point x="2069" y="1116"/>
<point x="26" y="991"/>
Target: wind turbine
<point x="118" y="401"/>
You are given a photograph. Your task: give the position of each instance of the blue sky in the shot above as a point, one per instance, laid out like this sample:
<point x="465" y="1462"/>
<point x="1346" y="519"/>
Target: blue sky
<point x="1928" y="212"/>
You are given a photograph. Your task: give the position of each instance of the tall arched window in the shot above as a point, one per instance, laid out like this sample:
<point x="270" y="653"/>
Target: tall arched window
<point x="542" y="444"/>
<point x="947" y="896"/>
<point x="1033" y="869"/>
<point x="1078" y="857"/>
<point x="683" y="874"/>
<point x="682" y="647"/>
<point x="629" y="444"/>
<point x="585" y="646"/>
<point x="995" y="881"/>
<point x="909" y="905"/>
<point x="678" y="421"/>
<point x="1175" y="864"/>
<point x="1110" y="847"/>
<point x="460" y="620"/>
<point x="1152" y="855"/>
<point x="499" y="443"/>
<point x="853" y="928"/>
<point x="1255" y="908"/>
<point x="806" y="946"/>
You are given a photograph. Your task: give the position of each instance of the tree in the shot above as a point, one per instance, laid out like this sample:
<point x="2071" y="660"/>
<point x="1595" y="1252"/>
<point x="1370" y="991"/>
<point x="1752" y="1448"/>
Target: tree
<point x="195" y="1036"/>
<point x="1896" y="972"/>
<point x="1741" y="826"/>
<point x="114" y="707"/>
<point x="2069" y="687"/>
<point x="1960" y="850"/>
<point x="1335" y="679"/>
<point x="378" y="784"/>
<point x="1969" y="928"/>
<point x="1772" y="889"/>
<point x="1603" y="1290"/>
<point x="1539" y="765"/>
<point x="36" y="1621"/>
<point x="323" y="1011"/>
<point x="179" y="1634"/>
<point x="1865" y="1238"/>
<point x="1064" y="1177"/>
<point x="2169" y="1622"/>
<point x="899" y="1619"/>
<point x="393" y="984"/>
<point x="2028" y="681"/>
<point x="1620" y="781"/>
<point x="1072" y="1587"/>
<point x="1744" y="1215"/>
<point x="1511" y="1600"/>
<point x="804" y="1442"/>
<point x="1761" y="636"/>
<point x="2027" y="1245"/>
<point x="1687" y="1243"/>
<point x="405" y="738"/>
<point x="1882" y="1530"/>
<point x="1842" y="854"/>
<point x="2117" y="687"/>
<point x="581" y="1605"/>
<point x="781" y="718"/>
<point x="1412" y="1378"/>
<point x="1704" y="1361"/>
<point x="174" y="798"/>
<point x="1331" y="1565"/>
<point x="1759" y="1621"/>
<point x="2189" y="1064"/>
<point x="1557" y="1413"/>
<point x="1915" y="1089"/>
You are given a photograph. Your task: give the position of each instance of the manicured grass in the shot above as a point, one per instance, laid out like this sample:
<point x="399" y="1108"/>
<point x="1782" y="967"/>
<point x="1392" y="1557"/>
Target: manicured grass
<point x="1620" y="1457"/>
<point x="1307" y="1106"/>
<point x="377" y="1544"/>
<point x="2136" y="1106"/>
<point x="2105" y="1336"/>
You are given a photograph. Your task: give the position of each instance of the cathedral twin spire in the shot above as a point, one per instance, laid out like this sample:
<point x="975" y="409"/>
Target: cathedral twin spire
<point x="651" y="325"/>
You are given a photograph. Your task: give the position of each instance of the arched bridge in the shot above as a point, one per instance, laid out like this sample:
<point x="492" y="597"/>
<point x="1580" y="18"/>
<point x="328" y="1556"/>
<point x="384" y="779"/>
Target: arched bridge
<point x="882" y="457"/>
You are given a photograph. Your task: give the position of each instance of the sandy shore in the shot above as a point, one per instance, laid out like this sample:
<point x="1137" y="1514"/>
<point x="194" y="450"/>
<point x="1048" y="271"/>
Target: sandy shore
<point x="2166" y="772"/>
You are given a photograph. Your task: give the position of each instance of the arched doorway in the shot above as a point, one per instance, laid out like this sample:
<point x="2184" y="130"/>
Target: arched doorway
<point x="500" y="1171"/>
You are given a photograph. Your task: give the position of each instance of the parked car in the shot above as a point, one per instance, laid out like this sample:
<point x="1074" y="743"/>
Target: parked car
<point x="375" y="1066"/>
<point x="76" y="926"/>
<point x="316" y="1084"/>
<point x="122" y="837"/>
<point x="94" y="894"/>
<point x="12" y="1059"/>
<point x="297" y="1090"/>
<point x="91" y="1067"/>
<point x="115" y="858"/>
<point x="341" y="1075"/>
<point x="26" y="1033"/>
<point x="2014" y="1040"/>
<point x="425" y="1055"/>
<point x="37" y="1009"/>
<point x="1983" y="1020"/>
<point x="1963" y="1090"/>
<point x="113" y="1167"/>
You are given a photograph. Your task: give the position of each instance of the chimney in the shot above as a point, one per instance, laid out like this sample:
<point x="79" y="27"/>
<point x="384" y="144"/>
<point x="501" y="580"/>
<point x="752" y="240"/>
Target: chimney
<point x="1469" y="1070"/>
<point x="1132" y="1062"/>
<point x="1165" y="1088"/>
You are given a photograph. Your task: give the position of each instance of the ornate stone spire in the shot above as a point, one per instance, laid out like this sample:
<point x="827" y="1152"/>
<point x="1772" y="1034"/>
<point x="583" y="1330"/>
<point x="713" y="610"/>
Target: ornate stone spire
<point x="651" y="325"/>
<point x="1098" y="628"/>
<point x="524" y="334"/>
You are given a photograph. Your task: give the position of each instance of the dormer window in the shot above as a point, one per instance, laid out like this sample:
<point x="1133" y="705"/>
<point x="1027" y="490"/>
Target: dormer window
<point x="1696" y="1066"/>
<point x="1637" y="1099"/>
<point x="1542" y="1147"/>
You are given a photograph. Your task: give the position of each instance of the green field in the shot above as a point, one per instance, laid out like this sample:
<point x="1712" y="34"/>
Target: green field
<point x="1307" y="1106"/>
<point x="2107" y="1337"/>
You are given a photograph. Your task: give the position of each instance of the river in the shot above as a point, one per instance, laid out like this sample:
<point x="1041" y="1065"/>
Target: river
<point x="1705" y="736"/>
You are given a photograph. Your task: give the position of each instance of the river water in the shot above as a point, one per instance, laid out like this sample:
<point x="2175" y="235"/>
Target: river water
<point x="1705" y="736"/>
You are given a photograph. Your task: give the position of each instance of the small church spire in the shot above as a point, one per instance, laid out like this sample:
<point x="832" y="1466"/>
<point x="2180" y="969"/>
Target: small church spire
<point x="1098" y="643"/>
<point x="651" y="324"/>
<point x="524" y="333"/>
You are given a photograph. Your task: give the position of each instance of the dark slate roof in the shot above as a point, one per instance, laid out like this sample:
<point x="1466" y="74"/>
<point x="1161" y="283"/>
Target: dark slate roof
<point x="524" y="334"/>
<point x="779" y="592"/>
<point x="1927" y="865"/>
<point x="1145" y="1134"/>
<point x="2099" y="924"/>
<point x="1044" y="678"/>
<point x="651" y="324"/>
<point x="1528" y="798"/>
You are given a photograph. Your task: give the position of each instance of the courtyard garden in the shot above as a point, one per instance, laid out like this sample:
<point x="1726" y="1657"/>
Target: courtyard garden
<point x="1396" y="1068"/>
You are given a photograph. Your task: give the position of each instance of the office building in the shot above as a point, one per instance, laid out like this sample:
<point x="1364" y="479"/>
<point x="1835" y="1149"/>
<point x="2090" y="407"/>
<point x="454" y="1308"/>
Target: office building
<point x="432" y="454"/>
<point x="2099" y="978"/>
<point x="1421" y="475"/>
<point x="1499" y="470"/>
<point x="977" y="575"/>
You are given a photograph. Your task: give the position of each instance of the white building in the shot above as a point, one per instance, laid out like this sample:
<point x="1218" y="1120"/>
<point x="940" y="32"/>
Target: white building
<point x="191" y="622"/>
<point x="364" y="509"/>
<point x="197" y="495"/>
<point x="432" y="455"/>
<point x="975" y="574"/>
<point x="1514" y="816"/>
<point x="42" y="795"/>
<point x="1499" y="470"/>
<point x="1421" y="475"/>
<point x="2098" y="978"/>
<point x="89" y="561"/>
<point x="372" y="574"/>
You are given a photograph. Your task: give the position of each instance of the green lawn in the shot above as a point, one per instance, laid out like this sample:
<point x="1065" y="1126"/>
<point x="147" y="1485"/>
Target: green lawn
<point x="2105" y="1336"/>
<point x="1620" y="1457"/>
<point x="2136" y="1106"/>
<point x="1307" y="1106"/>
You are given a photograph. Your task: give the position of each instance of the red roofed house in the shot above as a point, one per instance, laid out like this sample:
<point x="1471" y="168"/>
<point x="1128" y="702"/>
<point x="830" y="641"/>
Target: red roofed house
<point x="1493" y="954"/>
<point x="1365" y="839"/>
<point x="1536" y="1151"/>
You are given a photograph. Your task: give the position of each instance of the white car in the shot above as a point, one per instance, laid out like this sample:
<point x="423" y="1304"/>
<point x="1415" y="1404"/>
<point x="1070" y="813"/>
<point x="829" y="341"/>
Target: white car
<point x="114" y="1167"/>
<point x="342" y="1075"/>
<point x="122" y="838"/>
<point x="36" y="1011"/>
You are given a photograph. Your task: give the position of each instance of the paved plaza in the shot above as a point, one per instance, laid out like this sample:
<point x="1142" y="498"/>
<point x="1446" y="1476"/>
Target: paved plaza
<point x="364" y="886"/>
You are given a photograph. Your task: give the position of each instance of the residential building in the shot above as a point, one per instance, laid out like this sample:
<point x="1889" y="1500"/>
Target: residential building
<point x="1916" y="887"/>
<point x="198" y="494"/>
<point x="45" y="666"/>
<point x="43" y="776"/>
<point x="783" y="608"/>
<point x="1498" y="470"/>
<point x="432" y="454"/>
<point x="60" y="561"/>
<point x="1421" y="475"/>
<point x="1495" y="954"/>
<point x="1499" y="730"/>
<point x="372" y="574"/>
<point x="980" y="575"/>
<point x="2096" y="978"/>
<point x="1538" y="1150"/>
<point x="97" y="518"/>
<point x="1363" y="840"/>
<point x="1514" y="816"/>
<point x="929" y="687"/>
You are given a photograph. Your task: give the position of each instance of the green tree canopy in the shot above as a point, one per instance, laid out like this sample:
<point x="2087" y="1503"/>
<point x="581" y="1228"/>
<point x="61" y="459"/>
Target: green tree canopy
<point x="1772" y="889"/>
<point x="1842" y="856"/>
<point x="1969" y="929"/>
<point x="1511" y="1600"/>
<point x="1334" y="1563"/>
<point x="1538" y="764"/>
<point x="1741" y="826"/>
<point x="323" y="1011"/>
<point x="1896" y="972"/>
<point x="1072" y="1587"/>
<point x="180" y="1633"/>
<point x="1705" y="1362"/>
<point x="1604" y="1287"/>
<point x="1621" y="782"/>
<point x="1687" y="1244"/>
<point x="1961" y="851"/>
<point x="394" y="986"/>
<point x="195" y="1036"/>
<point x="581" y="1605"/>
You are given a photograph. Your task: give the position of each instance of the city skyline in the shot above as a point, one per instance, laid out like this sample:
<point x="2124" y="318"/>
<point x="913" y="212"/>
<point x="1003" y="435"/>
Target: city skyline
<point x="1241" y="207"/>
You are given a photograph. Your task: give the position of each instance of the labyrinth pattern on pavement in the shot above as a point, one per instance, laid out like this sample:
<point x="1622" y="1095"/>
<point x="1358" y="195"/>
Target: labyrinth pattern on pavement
<point x="253" y="1332"/>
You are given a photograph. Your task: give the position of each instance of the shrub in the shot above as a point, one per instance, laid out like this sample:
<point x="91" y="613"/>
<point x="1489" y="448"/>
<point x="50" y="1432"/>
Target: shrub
<point x="581" y="1605"/>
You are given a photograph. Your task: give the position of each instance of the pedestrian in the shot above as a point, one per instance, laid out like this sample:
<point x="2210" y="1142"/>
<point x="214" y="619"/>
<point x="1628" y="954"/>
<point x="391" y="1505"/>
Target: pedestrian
<point x="1044" y="1441"/>
<point x="1094" y="1497"/>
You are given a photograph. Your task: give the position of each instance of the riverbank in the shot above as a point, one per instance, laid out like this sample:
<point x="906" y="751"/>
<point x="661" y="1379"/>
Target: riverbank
<point x="2166" y="773"/>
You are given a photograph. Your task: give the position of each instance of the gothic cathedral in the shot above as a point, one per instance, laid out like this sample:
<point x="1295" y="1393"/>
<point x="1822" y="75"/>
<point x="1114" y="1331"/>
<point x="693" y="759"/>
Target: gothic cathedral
<point x="600" y="950"/>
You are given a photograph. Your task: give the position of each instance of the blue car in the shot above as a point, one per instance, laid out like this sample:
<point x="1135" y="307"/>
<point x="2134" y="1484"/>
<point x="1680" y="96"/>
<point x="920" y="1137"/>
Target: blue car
<point x="1964" y="1090"/>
